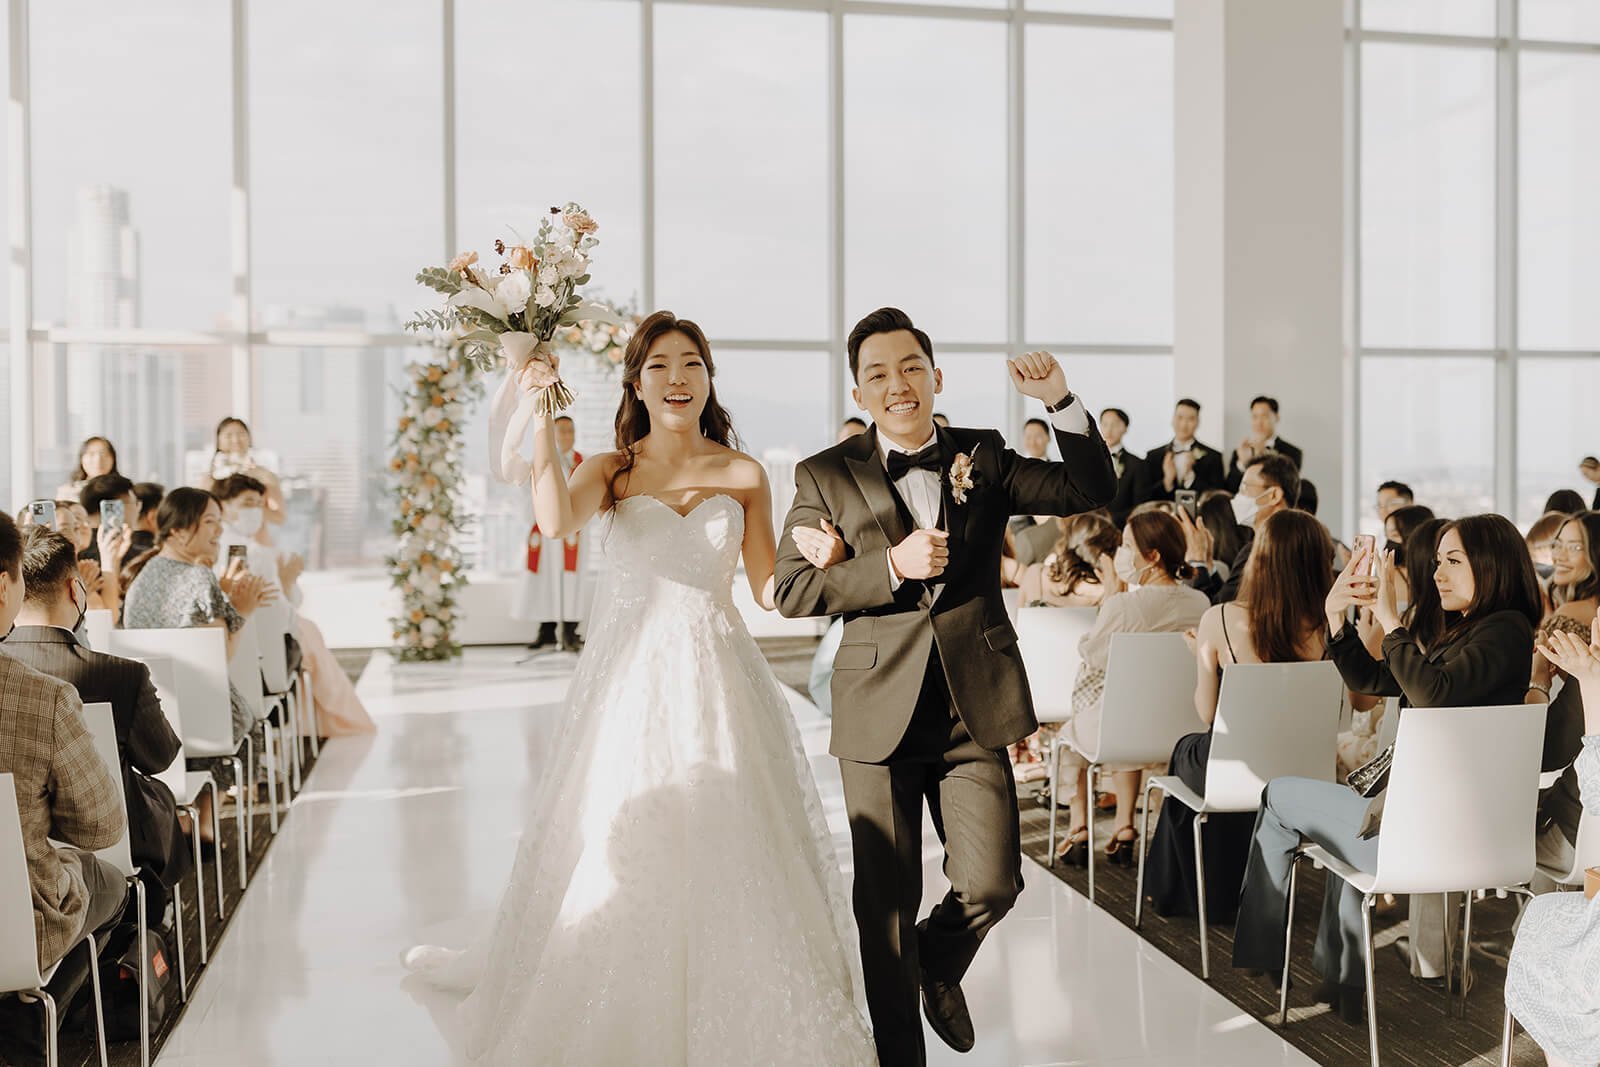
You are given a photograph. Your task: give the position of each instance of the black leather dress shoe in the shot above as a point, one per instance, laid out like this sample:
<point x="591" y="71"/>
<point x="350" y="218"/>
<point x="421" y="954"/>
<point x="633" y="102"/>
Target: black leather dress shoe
<point x="946" y="1009"/>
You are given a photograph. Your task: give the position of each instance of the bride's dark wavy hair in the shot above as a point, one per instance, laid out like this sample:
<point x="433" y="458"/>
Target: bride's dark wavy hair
<point x="633" y="418"/>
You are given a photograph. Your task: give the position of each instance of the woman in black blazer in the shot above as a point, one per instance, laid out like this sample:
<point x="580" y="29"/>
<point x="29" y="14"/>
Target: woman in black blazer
<point x="1473" y="647"/>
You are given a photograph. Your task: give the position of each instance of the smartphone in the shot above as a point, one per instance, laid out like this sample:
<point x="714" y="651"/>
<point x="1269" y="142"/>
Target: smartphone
<point x="1370" y="543"/>
<point x="43" y="513"/>
<point x="240" y="553"/>
<point x="112" y="515"/>
<point x="1188" y="500"/>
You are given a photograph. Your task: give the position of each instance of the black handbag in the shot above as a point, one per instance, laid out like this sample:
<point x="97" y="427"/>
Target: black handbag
<point x="122" y="987"/>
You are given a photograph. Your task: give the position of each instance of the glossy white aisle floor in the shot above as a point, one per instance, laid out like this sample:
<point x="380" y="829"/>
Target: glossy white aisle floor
<point x="409" y="836"/>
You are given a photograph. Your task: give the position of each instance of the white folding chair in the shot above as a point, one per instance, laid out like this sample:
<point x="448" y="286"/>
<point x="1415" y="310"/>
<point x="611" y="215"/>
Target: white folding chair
<point x="1147" y="705"/>
<point x="274" y="622"/>
<point x="1048" y="640"/>
<point x="1013" y="601"/>
<point x="199" y="658"/>
<point x="19" y="946"/>
<point x="98" y="624"/>
<point x="187" y="787"/>
<point x="1274" y="720"/>
<point x="1457" y="818"/>
<point x="244" y="672"/>
<point x="103" y="732"/>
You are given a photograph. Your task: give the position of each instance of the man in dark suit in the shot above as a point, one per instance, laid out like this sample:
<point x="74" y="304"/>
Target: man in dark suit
<point x="54" y="605"/>
<point x="1133" y="474"/>
<point x="1590" y="469"/>
<point x="1263" y="438"/>
<point x="1271" y="484"/>
<point x="928" y="684"/>
<point x="1184" y="462"/>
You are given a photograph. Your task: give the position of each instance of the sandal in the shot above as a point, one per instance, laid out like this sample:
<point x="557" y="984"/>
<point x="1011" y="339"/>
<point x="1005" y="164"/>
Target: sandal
<point x="1074" y="848"/>
<point x="1122" y="850"/>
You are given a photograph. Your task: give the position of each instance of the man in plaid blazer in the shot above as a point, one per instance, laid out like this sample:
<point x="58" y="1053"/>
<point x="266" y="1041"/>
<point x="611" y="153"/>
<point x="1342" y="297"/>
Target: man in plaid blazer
<point x="64" y="790"/>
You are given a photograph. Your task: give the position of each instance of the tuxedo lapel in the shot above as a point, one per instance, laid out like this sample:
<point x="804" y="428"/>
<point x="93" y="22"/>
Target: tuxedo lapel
<point x="865" y="464"/>
<point x="954" y="516"/>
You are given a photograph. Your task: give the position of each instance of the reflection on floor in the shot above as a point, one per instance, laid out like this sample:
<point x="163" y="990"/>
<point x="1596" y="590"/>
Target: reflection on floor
<point x="409" y="836"/>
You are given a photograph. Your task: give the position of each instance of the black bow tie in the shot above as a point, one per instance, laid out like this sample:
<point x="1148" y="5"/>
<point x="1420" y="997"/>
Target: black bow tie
<point x="929" y="459"/>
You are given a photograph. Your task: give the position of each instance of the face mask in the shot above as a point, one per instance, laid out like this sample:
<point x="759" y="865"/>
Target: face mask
<point x="1127" y="566"/>
<point x="248" y="521"/>
<point x="1245" y="509"/>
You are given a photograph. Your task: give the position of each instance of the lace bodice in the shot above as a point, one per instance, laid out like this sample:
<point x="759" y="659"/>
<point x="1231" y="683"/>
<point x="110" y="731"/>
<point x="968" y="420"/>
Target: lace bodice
<point x="653" y="548"/>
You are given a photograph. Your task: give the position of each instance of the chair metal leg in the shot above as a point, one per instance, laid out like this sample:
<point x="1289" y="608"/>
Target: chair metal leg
<point x="1288" y="930"/>
<point x="311" y="706"/>
<point x="99" y="1004"/>
<point x="1093" y="775"/>
<point x="241" y="815"/>
<point x="1200" y="892"/>
<point x="1144" y="841"/>
<point x="177" y="932"/>
<point x="216" y="846"/>
<point x="247" y="786"/>
<point x="1367" y="900"/>
<point x="193" y="812"/>
<point x="1055" y="795"/>
<point x="292" y="710"/>
<point x="143" y="929"/>
<point x="1466" y="957"/>
<point x="52" y="1050"/>
<point x="269" y="755"/>
<point x="1507" y="1035"/>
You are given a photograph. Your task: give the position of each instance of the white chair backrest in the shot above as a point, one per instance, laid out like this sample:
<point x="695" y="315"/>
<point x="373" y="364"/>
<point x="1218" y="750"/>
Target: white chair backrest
<point x="1013" y="601"/>
<point x="1048" y="639"/>
<point x="1463" y="790"/>
<point x="199" y="659"/>
<point x="19" y="950"/>
<point x="103" y="732"/>
<point x="273" y="622"/>
<point x="1149" y="699"/>
<point x="1274" y="720"/>
<point x="98" y="624"/>
<point x="164" y="675"/>
<point x="244" y="669"/>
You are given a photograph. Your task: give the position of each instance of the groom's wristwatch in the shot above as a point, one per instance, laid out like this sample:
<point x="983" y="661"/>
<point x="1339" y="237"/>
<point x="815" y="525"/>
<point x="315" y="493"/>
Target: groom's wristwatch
<point x="1063" y="404"/>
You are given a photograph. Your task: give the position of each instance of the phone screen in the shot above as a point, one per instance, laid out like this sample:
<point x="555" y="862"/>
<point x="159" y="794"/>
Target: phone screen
<point x="44" y="513"/>
<point x="1187" y="499"/>
<point x="112" y="514"/>
<point x="240" y="553"/>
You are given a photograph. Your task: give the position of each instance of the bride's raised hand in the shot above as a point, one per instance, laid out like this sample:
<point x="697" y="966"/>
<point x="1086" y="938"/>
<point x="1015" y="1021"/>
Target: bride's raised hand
<point x="540" y="371"/>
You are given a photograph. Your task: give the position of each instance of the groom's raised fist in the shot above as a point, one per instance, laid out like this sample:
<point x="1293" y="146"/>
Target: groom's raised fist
<point x="922" y="555"/>
<point x="1037" y="374"/>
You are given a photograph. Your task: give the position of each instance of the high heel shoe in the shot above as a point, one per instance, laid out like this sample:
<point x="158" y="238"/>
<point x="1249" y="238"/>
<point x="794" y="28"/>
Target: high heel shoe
<point x="1074" y="849"/>
<point x="1122" y="851"/>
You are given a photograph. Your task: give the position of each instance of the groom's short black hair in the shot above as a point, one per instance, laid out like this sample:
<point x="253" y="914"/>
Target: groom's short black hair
<point x="884" y="320"/>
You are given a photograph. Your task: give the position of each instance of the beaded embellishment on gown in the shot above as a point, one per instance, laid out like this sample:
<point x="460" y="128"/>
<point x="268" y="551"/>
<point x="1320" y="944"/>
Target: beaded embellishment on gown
<point x="675" y="897"/>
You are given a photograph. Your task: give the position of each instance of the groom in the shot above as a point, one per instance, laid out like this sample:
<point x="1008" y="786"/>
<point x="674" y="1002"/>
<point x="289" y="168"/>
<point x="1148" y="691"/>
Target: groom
<point x="928" y="685"/>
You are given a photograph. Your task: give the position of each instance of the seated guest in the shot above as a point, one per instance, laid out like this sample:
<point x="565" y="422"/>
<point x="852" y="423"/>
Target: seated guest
<point x="1133" y="474"/>
<point x="1550" y="986"/>
<point x="1540" y="537"/>
<point x="1474" y="652"/>
<point x="1033" y="541"/>
<point x="1149" y="565"/>
<point x="1271" y="484"/>
<point x="96" y="456"/>
<point x="338" y="710"/>
<point x="149" y="495"/>
<point x="1278" y="618"/>
<point x="1184" y="462"/>
<point x="43" y="640"/>
<point x="1590" y="469"/>
<point x="1066" y="577"/>
<point x="1565" y="502"/>
<point x="1398" y="526"/>
<point x="173" y="587"/>
<point x="1262" y="438"/>
<point x="1393" y="495"/>
<point x="112" y="543"/>
<point x="235" y="454"/>
<point x="1417" y="596"/>
<point x="1227" y="536"/>
<point x="64" y="790"/>
<point x="849" y="428"/>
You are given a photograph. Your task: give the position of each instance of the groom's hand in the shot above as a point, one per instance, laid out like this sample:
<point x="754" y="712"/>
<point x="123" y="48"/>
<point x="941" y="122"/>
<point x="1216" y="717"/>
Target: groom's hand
<point x="921" y="556"/>
<point x="1037" y="374"/>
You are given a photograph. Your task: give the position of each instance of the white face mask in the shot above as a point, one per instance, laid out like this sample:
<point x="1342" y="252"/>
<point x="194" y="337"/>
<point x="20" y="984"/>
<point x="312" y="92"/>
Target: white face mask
<point x="1244" y="510"/>
<point x="1127" y="566"/>
<point x="248" y="521"/>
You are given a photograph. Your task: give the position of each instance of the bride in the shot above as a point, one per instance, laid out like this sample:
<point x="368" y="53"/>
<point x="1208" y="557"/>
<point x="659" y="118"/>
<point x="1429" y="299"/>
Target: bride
<point x="675" y="897"/>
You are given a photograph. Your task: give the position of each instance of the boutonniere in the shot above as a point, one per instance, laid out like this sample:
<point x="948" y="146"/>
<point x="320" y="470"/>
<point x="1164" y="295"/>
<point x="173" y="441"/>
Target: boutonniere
<point x="1197" y="452"/>
<point x="961" y="475"/>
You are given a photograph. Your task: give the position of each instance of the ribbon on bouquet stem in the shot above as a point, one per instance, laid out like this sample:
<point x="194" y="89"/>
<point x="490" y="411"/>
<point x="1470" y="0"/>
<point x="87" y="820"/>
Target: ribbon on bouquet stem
<point x="511" y="410"/>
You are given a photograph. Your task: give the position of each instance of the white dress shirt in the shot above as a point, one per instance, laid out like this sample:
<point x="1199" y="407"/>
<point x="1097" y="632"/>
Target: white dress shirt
<point x="922" y="490"/>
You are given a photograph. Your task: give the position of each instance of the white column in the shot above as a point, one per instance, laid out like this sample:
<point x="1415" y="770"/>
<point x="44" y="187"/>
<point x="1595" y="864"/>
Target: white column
<point x="19" y="206"/>
<point x="1259" y="222"/>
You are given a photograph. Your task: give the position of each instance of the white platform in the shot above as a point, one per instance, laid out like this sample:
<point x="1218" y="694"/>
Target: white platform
<point x="409" y="836"/>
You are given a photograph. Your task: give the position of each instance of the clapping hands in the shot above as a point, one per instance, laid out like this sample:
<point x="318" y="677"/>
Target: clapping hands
<point x="1568" y="651"/>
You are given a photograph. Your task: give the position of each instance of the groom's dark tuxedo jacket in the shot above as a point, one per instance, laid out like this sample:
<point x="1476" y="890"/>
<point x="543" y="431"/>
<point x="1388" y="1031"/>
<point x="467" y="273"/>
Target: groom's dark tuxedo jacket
<point x="890" y="633"/>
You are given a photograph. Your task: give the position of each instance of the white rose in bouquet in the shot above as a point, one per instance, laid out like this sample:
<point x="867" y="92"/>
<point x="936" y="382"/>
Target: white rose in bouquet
<point x="545" y="296"/>
<point x="514" y="290"/>
<point x="549" y="275"/>
<point x="572" y="266"/>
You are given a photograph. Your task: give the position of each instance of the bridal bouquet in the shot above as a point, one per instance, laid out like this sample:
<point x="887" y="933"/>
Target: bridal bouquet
<point x="516" y="310"/>
<point x="602" y="340"/>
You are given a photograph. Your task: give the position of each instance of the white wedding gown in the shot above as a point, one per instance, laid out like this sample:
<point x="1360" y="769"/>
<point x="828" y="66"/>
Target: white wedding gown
<point x="675" y="897"/>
